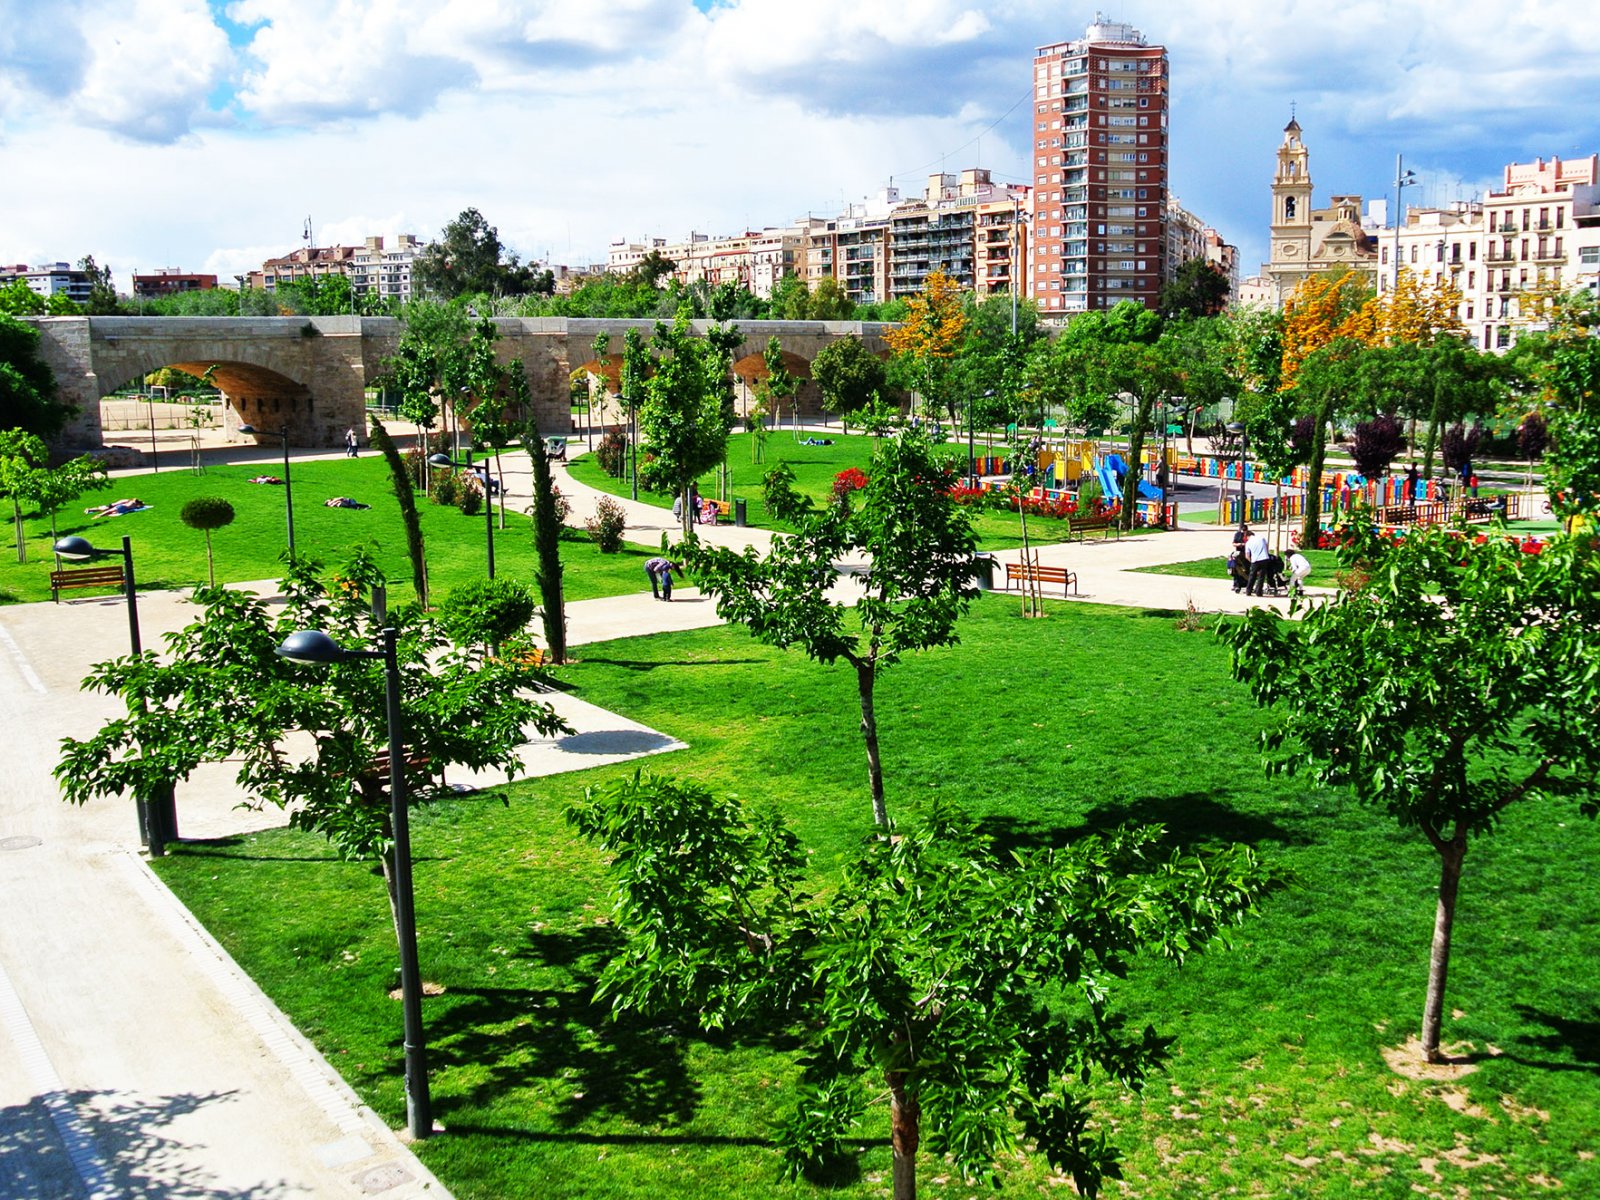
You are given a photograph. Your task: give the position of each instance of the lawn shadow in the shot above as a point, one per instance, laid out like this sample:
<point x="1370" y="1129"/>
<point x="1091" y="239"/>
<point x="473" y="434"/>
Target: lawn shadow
<point x="633" y="664"/>
<point x="110" y="1143"/>
<point x="1576" y="1040"/>
<point x="1192" y="820"/>
<point x="595" y="1068"/>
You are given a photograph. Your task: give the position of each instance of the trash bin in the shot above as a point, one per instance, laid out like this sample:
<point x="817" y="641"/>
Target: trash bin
<point x="983" y="571"/>
<point x="739" y="515"/>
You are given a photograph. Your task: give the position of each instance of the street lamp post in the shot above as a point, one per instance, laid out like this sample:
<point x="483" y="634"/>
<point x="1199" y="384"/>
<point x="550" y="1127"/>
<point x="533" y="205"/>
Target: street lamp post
<point x="313" y="646"/>
<point x="1164" y="473"/>
<point x="288" y="487"/>
<point x="158" y="820"/>
<point x="1244" y="451"/>
<point x="972" y="456"/>
<point x="444" y="460"/>
<point x="1402" y="180"/>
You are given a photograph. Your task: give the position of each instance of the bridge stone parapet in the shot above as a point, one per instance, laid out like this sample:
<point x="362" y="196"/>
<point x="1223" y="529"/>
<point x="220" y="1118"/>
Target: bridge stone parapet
<point x="310" y="375"/>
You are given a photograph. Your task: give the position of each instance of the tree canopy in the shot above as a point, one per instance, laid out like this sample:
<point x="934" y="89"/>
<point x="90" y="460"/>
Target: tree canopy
<point x="468" y="259"/>
<point x="27" y="385"/>
<point x="1458" y="681"/>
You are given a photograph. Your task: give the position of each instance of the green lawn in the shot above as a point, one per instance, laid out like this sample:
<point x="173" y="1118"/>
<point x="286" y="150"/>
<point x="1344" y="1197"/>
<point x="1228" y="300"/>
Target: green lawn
<point x="814" y="470"/>
<point x="1044" y="729"/>
<point x="169" y="554"/>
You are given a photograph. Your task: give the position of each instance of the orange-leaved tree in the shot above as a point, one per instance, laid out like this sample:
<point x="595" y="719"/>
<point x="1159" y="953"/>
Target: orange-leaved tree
<point x="929" y="337"/>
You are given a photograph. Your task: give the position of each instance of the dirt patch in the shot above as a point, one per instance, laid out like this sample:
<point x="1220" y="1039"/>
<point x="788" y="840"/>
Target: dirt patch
<point x="1461" y="1102"/>
<point x="1409" y="1060"/>
<point x="1522" y="1112"/>
<point x="1306" y="1163"/>
<point x="429" y="988"/>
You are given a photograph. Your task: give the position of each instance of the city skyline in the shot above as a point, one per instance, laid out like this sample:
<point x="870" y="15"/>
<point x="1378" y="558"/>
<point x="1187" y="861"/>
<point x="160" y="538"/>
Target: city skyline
<point x="196" y="135"/>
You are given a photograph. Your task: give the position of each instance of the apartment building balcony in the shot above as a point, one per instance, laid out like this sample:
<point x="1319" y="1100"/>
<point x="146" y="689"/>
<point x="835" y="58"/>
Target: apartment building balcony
<point x="1498" y="258"/>
<point x="1546" y="257"/>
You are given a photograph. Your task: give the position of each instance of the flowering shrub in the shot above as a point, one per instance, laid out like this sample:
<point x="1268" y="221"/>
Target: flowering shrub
<point x="607" y="524"/>
<point x="851" y="479"/>
<point x="613" y="452"/>
<point x="469" y="494"/>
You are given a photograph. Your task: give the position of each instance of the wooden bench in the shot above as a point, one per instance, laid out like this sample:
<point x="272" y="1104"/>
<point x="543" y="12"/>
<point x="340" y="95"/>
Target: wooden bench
<point x="1078" y="526"/>
<point x="1029" y="572"/>
<point x="84" y="577"/>
<point x="378" y="769"/>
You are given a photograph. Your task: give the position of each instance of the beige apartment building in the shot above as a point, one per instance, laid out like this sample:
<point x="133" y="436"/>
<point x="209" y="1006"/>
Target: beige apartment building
<point x="371" y="268"/>
<point x="1539" y="232"/>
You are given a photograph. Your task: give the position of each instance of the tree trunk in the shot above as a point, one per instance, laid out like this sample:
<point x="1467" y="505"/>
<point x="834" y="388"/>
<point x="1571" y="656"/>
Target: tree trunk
<point x="866" y="676"/>
<point x="16" y="513"/>
<point x="1130" y="483"/>
<point x="905" y="1126"/>
<point x="211" y="563"/>
<point x="1450" y="855"/>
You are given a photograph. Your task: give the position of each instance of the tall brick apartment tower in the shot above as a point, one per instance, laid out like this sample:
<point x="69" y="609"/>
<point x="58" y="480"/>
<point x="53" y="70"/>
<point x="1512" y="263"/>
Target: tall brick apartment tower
<point x="1100" y="170"/>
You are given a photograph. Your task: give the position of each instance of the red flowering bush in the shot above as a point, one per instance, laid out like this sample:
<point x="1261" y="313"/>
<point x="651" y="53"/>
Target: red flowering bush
<point x="851" y="479"/>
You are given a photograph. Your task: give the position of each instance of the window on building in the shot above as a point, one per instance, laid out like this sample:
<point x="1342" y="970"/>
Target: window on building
<point x="1472" y="251"/>
<point x="1561" y="218"/>
<point x="1558" y="248"/>
<point x="1472" y="279"/>
<point x="1502" y="337"/>
<point x="1413" y="253"/>
<point x="1589" y="256"/>
<point x="1383" y="256"/>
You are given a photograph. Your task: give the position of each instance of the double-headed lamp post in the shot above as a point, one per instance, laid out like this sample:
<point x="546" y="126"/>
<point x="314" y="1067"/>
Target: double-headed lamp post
<point x="444" y="460"/>
<point x="288" y="488"/>
<point x="314" y="646"/>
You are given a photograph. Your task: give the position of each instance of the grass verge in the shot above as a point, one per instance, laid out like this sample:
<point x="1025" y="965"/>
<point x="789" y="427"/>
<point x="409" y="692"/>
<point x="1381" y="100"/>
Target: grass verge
<point x="1044" y="729"/>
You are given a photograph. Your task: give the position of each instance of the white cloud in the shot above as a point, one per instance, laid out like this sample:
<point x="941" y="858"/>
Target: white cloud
<point x="572" y="122"/>
<point x="140" y="68"/>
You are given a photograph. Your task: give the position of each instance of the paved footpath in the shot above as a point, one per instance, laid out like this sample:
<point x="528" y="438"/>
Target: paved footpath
<point x="136" y="1060"/>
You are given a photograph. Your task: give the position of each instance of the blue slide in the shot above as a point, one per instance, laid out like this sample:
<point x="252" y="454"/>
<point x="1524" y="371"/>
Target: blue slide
<point x="1110" y="487"/>
<point x="1149" y="490"/>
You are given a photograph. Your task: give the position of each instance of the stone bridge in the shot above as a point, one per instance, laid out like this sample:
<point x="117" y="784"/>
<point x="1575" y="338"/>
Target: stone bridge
<point x="311" y="375"/>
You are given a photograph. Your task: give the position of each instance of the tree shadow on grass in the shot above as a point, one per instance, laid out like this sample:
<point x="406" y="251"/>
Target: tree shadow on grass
<point x="1192" y="820"/>
<point x="1575" y="1041"/>
<point x="633" y="664"/>
<point x="60" y="1143"/>
<point x="587" y="1068"/>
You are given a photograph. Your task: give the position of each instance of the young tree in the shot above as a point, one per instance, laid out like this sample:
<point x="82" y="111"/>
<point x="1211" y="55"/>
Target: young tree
<point x="102" y="293"/>
<point x="920" y="544"/>
<point x="221" y="693"/>
<point x="687" y="410"/>
<point x="405" y="496"/>
<point x="206" y="513"/>
<point x="848" y="375"/>
<point x="27" y="477"/>
<point x="976" y="988"/>
<point x="776" y="386"/>
<point x="1477" y="691"/>
<point x="632" y="379"/>
<point x="546" y="543"/>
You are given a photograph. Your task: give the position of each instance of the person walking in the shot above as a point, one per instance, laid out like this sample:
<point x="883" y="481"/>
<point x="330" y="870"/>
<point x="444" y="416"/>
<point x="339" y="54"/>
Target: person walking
<point x="1258" y="553"/>
<point x="660" y="572"/>
<point x="1413" y="485"/>
<point x="350" y="442"/>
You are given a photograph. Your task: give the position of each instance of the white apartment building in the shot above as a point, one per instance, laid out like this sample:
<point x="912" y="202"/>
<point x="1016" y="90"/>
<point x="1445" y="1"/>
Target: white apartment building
<point x="49" y="280"/>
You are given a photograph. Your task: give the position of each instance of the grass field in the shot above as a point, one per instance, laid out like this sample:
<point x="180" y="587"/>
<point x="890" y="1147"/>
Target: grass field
<point x="814" y="470"/>
<point x="169" y="554"/>
<point x="1044" y="729"/>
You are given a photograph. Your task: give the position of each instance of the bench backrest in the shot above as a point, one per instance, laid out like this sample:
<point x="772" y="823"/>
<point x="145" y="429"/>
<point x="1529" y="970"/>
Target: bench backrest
<point x="87" y="577"/>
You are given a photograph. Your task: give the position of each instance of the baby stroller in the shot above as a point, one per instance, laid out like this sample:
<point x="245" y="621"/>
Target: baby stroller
<point x="1274" y="584"/>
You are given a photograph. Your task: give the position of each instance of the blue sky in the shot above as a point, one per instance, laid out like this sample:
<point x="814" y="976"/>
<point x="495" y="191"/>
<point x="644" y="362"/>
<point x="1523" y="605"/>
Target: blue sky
<point x="201" y="135"/>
